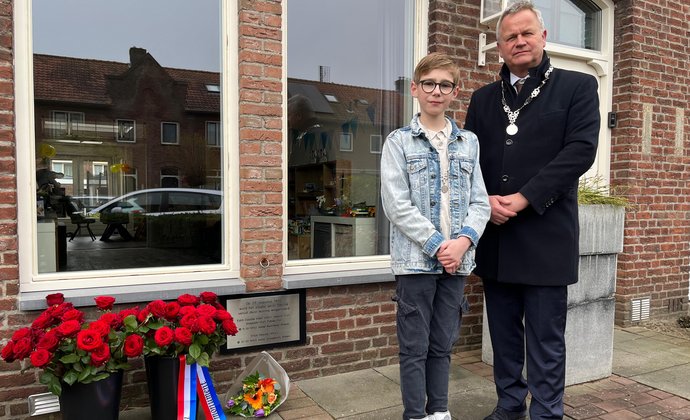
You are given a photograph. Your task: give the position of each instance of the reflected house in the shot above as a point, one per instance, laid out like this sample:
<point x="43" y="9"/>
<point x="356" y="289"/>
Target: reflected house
<point x="342" y="127"/>
<point x="120" y="127"/>
<point x="336" y="133"/>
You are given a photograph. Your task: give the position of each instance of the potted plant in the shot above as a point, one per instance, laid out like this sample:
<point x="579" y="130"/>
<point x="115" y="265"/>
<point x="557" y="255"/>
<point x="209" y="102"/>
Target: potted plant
<point x="78" y="356"/>
<point x="187" y="331"/>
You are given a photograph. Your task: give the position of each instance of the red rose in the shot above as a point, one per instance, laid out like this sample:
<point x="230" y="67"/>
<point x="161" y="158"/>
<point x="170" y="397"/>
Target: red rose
<point x="171" y="310"/>
<point x="100" y="326"/>
<point x="43" y="321"/>
<point x="134" y="346"/>
<point x="89" y="340"/>
<point x="73" y="314"/>
<point x="206" y="325"/>
<point x="206" y="310"/>
<point x="111" y="319"/>
<point x="58" y="311"/>
<point x="49" y="341"/>
<point x="143" y="315"/>
<point x="55" y="299"/>
<point x="104" y="303"/>
<point x="127" y="312"/>
<point x="186" y="310"/>
<point x="222" y="315"/>
<point x="157" y="308"/>
<point x="183" y="336"/>
<point x="8" y="352"/>
<point x="189" y="321"/>
<point x="22" y="348"/>
<point x="68" y="328"/>
<point x="208" y="297"/>
<point x="40" y="358"/>
<point x="100" y="355"/>
<point x="188" y="299"/>
<point x="164" y="336"/>
<point x="229" y="327"/>
<point x="21" y="333"/>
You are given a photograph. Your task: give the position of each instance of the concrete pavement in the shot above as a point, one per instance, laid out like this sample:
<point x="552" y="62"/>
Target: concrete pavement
<point x="651" y="379"/>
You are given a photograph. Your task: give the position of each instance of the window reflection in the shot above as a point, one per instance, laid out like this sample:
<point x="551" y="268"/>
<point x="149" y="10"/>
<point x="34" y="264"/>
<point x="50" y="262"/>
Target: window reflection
<point x="347" y="90"/>
<point x="576" y="23"/>
<point x="118" y="125"/>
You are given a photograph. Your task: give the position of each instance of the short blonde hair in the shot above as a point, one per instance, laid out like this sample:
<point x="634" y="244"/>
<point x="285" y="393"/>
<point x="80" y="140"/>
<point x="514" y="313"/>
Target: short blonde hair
<point x="437" y="60"/>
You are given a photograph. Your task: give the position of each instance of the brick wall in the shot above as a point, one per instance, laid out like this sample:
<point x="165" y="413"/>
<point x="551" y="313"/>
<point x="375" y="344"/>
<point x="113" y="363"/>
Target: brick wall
<point x="9" y="379"/>
<point x="261" y="148"/>
<point x="649" y="161"/>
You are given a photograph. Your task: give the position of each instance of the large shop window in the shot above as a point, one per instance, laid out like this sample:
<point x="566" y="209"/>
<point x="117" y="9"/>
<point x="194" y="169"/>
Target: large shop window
<point x="115" y="84"/>
<point x="349" y="71"/>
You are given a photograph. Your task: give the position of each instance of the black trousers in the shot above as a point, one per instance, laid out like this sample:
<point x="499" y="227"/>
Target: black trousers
<point x="528" y="320"/>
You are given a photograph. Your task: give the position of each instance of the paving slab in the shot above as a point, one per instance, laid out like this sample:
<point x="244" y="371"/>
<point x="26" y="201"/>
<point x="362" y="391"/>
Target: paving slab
<point x="675" y="380"/>
<point x="352" y="393"/>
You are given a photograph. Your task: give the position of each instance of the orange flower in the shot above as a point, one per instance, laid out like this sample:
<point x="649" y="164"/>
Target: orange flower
<point x="266" y="385"/>
<point x="255" y="400"/>
<point x="272" y="398"/>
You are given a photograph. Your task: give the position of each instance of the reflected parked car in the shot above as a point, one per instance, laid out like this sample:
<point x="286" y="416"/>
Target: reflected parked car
<point x="86" y="203"/>
<point x="157" y="201"/>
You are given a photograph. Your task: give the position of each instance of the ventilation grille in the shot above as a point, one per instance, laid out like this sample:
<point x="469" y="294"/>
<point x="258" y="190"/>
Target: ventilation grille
<point x="43" y="404"/>
<point x="640" y="309"/>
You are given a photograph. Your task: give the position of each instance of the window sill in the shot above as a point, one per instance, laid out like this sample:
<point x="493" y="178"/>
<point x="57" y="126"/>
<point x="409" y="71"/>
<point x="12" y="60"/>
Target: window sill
<point x="29" y="301"/>
<point x="339" y="278"/>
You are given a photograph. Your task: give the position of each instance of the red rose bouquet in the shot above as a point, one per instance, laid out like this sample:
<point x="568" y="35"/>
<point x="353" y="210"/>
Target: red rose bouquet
<point x="195" y="326"/>
<point x="70" y="349"/>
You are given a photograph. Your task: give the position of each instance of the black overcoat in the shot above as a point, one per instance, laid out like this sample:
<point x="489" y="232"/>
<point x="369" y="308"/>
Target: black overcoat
<point x="555" y="144"/>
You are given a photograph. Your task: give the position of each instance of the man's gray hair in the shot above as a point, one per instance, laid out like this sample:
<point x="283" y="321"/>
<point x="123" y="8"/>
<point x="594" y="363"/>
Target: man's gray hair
<point x="516" y="7"/>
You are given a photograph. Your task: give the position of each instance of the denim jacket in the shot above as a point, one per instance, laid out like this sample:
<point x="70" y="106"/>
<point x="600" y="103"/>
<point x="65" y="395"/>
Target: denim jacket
<point x="411" y="197"/>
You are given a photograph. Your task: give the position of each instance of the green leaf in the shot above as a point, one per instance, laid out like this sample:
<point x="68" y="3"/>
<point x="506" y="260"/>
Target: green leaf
<point x="55" y="388"/>
<point x="70" y="377"/>
<point x="85" y="373"/>
<point x="69" y="358"/>
<point x="203" y="359"/>
<point x="130" y="323"/>
<point x="195" y="350"/>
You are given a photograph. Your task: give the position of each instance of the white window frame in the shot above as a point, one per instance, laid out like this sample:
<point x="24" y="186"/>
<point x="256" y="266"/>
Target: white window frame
<point x="375" y="144"/>
<point x="131" y="285"/>
<point x="345" y="142"/>
<point x="117" y="131"/>
<point x="69" y="129"/>
<point x="219" y="134"/>
<point x="177" y="132"/>
<point x="333" y="271"/>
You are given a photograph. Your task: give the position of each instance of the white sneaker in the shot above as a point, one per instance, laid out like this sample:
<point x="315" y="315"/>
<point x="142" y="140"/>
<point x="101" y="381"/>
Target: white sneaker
<point x="445" y="415"/>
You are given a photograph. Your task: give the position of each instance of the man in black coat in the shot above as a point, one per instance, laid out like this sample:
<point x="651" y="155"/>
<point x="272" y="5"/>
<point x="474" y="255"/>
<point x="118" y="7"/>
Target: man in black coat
<point x="536" y="141"/>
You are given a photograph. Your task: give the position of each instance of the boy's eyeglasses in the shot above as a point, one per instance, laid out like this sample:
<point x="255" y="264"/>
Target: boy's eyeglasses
<point x="428" y="86"/>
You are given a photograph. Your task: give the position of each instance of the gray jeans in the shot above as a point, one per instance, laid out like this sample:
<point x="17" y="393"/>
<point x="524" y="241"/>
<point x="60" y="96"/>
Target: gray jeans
<point x="428" y="321"/>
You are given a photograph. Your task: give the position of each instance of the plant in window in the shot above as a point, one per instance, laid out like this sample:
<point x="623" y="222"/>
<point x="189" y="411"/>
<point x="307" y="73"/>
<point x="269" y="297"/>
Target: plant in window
<point x="72" y="350"/>
<point x="195" y="326"/>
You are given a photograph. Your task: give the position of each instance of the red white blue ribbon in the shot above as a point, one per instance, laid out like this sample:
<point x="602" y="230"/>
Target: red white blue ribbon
<point x="196" y="380"/>
<point x="186" y="391"/>
<point x="207" y="395"/>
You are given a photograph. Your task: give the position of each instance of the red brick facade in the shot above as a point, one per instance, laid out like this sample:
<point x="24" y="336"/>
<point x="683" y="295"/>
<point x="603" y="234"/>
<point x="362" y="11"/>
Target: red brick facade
<point x="353" y="327"/>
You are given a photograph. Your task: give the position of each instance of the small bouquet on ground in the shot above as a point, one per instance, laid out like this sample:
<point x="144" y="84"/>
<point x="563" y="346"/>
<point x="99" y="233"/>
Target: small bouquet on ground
<point x="258" y="398"/>
<point x="70" y="349"/>
<point x="259" y="390"/>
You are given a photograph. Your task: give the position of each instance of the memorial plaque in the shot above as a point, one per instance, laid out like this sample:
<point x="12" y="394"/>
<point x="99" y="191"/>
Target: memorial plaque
<point x="267" y="319"/>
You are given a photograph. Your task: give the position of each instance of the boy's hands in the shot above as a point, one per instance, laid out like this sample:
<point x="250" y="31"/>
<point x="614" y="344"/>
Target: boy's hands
<point x="451" y="252"/>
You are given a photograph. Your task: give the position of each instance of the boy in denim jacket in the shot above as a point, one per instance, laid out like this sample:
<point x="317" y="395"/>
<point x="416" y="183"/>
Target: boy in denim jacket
<point x="434" y="196"/>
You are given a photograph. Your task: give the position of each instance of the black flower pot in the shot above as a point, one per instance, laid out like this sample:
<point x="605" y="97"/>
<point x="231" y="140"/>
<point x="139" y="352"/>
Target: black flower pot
<point x="96" y="400"/>
<point x="162" y="377"/>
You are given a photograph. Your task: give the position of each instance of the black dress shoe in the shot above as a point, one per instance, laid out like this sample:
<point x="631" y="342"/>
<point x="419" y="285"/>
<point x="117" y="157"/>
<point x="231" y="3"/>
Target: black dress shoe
<point x="502" y="414"/>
